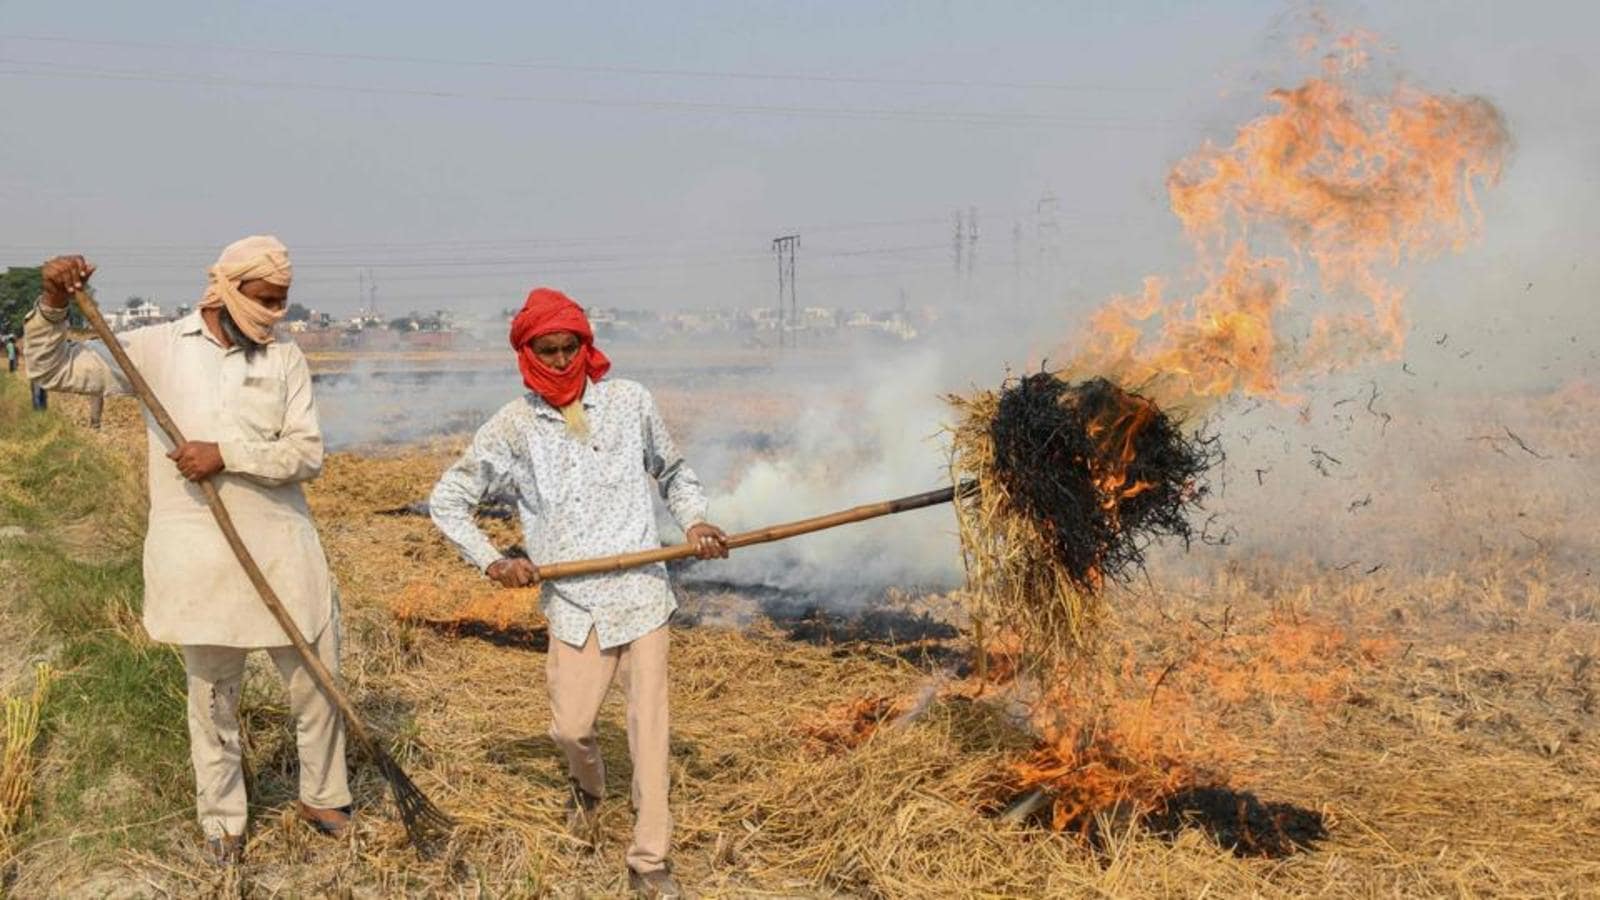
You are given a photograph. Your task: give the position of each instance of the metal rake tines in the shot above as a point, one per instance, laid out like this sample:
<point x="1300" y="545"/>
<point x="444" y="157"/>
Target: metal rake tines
<point x="427" y="826"/>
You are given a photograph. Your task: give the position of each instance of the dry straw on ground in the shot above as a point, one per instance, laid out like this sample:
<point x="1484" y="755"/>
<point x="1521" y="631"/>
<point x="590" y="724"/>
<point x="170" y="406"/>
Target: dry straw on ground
<point x="18" y="764"/>
<point x="1443" y="722"/>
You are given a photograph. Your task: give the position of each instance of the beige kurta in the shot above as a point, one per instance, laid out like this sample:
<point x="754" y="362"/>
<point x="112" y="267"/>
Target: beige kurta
<point x="261" y="414"/>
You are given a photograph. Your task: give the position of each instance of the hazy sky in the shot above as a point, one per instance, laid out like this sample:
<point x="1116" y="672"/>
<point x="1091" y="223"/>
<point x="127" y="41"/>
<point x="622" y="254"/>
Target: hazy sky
<point x="637" y="154"/>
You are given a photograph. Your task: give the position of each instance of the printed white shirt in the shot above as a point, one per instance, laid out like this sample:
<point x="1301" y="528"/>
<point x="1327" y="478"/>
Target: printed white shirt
<point x="578" y="500"/>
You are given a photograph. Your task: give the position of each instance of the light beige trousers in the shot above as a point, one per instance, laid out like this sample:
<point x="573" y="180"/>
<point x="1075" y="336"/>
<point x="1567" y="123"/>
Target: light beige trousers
<point x="579" y="678"/>
<point x="215" y="674"/>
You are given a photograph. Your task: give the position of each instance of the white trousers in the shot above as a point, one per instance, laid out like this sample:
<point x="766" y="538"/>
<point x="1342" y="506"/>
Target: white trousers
<point x="215" y="674"/>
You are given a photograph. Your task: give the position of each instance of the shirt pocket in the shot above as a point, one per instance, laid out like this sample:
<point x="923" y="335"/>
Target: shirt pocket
<point x="558" y="467"/>
<point x="259" y="407"/>
<point x="614" y="460"/>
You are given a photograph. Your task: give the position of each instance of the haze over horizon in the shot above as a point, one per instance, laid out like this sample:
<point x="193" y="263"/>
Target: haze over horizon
<point x="647" y="157"/>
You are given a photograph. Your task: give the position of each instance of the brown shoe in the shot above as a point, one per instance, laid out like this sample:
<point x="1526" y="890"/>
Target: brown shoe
<point x="659" y="883"/>
<point x="224" y="851"/>
<point x="583" y="814"/>
<point x="331" y="822"/>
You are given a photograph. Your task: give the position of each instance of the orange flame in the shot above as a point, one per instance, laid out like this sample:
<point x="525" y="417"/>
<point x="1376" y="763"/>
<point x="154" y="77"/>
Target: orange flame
<point x="1116" y="431"/>
<point x="1149" y="733"/>
<point x="1353" y="183"/>
<point x="848" y="726"/>
<point x="1123" y="743"/>
<point x="1123" y="761"/>
<point x="464" y="605"/>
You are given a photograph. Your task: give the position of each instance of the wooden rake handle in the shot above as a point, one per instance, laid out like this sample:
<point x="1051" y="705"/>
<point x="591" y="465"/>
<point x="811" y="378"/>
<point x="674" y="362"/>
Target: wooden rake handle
<point x="766" y="535"/>
<point x="319" y="672"/>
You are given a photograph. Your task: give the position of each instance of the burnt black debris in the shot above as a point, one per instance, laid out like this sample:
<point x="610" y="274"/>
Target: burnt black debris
<point x="1054" y="445"/>
<point x="496" y="507"/>
<point x="516" y="637"/>
<point x="1240" y="821"/>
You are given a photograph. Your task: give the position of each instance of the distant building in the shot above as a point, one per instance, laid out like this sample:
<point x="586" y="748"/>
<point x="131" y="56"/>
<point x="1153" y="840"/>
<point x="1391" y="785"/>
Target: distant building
<point x="819" y="317"/>
<point x="137" y="316"/>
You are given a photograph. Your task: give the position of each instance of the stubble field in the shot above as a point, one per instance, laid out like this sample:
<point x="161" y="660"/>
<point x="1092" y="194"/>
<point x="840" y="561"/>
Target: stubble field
<point x="1264" y="723"/>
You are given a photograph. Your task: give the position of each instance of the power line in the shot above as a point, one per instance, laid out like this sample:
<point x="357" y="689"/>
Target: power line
<point x="607" y="262"/>
<point x="49" y="71"/>
<point x="754" y="279"/>
<point x="677" y="237"/>
<point x="590" y="69"/>
<point x="1093" y="226"/>
<point x="535" y="268"/>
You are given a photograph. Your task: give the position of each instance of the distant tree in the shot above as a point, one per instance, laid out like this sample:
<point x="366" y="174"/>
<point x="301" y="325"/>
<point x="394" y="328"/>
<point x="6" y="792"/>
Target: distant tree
<point x="297" y="313"/>
<point x="20" y="286"/>
<point x="403" y="323"/>
<point x="133" y="302"/>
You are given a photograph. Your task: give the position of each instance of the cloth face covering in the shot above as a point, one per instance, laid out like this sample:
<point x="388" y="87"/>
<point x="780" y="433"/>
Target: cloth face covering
<point x="258" y="257"/>
<point x="549" y="311"/>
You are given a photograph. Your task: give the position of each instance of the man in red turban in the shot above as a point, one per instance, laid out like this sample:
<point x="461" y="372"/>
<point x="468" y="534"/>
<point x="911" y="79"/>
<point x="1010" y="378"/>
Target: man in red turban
<point x="556" y="352"/>
<point x="581" y="453"/>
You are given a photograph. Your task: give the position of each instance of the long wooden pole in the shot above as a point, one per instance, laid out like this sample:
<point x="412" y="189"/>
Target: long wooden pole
<point x="766" y="535"/>
<point x="313" y="663"/>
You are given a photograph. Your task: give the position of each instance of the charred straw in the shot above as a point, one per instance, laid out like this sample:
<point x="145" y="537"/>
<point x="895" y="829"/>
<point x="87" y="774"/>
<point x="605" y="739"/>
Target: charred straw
<point x="1074" y="480"/>
<point x="1102" y="469"/>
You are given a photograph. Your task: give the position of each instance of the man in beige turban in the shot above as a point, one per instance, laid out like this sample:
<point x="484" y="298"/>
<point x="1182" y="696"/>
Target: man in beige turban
<point x="244" y="400"/>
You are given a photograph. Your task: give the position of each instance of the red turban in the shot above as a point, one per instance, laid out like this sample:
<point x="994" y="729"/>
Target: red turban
<point x="547" y="312"/>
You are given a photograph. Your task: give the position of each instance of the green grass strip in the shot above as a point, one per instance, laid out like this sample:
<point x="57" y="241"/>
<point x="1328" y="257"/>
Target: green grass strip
<point x="115" y="739"/>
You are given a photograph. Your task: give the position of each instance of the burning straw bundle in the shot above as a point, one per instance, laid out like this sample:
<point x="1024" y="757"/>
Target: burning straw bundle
<point x="1073" y="482"/>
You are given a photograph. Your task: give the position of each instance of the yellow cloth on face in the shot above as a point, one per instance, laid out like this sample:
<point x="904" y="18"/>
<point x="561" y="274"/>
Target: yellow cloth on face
<point x="257" y="257"/>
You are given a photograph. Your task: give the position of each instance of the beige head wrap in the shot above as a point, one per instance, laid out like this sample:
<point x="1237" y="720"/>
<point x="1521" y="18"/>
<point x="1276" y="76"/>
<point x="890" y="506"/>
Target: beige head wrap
<point x="259" y="256"/>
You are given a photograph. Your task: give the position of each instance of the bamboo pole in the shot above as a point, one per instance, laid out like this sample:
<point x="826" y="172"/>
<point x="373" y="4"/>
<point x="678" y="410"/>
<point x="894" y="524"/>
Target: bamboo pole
<point x="422" y="819"/>
<point x="766" y="535"/>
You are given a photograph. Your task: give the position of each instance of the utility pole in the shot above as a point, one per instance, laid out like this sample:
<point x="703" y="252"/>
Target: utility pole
<point x="783" y="249"/>
<point x="1047" y="228"/>
<point x="367" y="293"/>
<point x="972" y="247"/>
<point x="958" y="244"/>
<point x="964" y="251"/>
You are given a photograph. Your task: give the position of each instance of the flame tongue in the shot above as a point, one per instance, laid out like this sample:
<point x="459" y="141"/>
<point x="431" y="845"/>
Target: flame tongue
<point x="1352" y="183"/>
<point x="1115" y="432"/>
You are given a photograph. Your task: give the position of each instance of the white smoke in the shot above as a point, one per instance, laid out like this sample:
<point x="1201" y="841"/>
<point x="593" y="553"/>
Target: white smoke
<point x="876" y="436"/>
<point x="376" y="402"/>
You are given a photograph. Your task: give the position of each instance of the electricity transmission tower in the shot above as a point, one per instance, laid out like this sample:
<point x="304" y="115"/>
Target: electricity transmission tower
<point x="783" y="249"/>
<point x="1047" y="237"/>
<point x="958" y="243"/>
<point x="964" y="250"/>
<point x="1016" y="264"/>
<point x="367" y="293"/>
